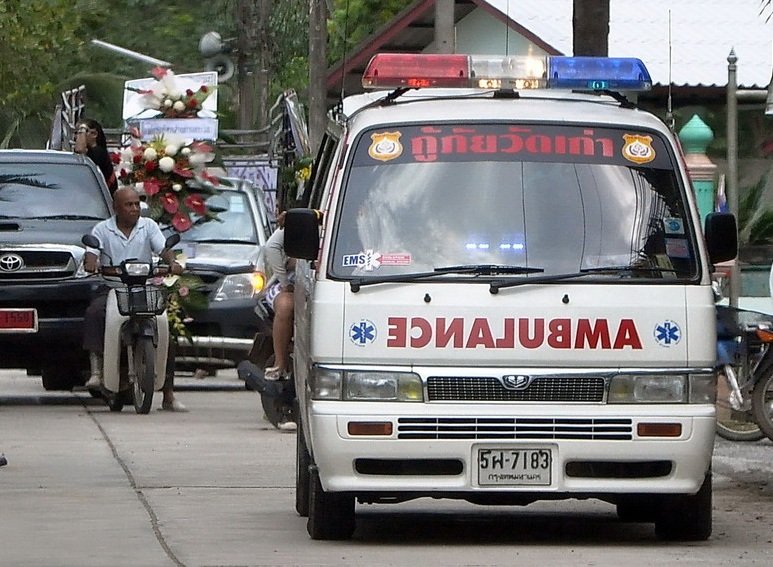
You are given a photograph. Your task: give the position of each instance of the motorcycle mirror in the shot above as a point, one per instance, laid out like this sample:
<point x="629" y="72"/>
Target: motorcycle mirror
<point x="172" y="240"/>
<point x="91" y="241"/>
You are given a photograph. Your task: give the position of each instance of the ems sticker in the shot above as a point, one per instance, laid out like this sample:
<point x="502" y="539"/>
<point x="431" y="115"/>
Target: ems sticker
<point x="362" y="333"/>
<point x="370" y="260"/>
<point x="638" y="149"/>
<point x="667" y="333"/>
<point x="677" y="248"/>
<point x="385" y="146"/>
<point x="673" y="225"/>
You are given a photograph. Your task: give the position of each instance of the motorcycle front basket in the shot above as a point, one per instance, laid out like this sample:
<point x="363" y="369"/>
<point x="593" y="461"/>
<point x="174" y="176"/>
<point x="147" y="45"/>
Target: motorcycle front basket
<point x="140" y="301"/>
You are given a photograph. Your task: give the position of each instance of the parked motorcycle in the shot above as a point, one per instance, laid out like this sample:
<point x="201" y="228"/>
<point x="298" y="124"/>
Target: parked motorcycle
<point x="277" y="397"/>
<point x="745" y="366"/>
<point x="136" y="332"/>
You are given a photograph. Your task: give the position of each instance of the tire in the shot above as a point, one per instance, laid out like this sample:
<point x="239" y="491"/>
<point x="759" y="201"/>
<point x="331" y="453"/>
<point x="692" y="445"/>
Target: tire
<point x="302" y="477"/>
<point x="61" y="374"/>
<point x="686" y="517"/>
<point x="145" y="370"/>
<point x="115" y="401"/>
<point x="331" y="514"/>
<point x="734" y="425"/>
<point x="637" y="509"/>
<point x="762" y="400"/>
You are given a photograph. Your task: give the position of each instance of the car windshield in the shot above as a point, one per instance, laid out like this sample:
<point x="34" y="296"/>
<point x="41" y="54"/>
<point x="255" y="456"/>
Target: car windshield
<point x="235" y="223"/>
<point x="555" y="198"/>
<point x="35" y="190"/>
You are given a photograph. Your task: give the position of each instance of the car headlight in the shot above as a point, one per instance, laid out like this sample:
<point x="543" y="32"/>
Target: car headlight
<point x="240" y="286"/>
<point x="648" y="389"/>
<point x="366" y="385"/>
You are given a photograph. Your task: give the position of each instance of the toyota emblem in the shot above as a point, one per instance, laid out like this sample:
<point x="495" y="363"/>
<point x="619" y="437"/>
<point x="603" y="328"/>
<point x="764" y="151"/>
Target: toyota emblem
<point x="516" y="381"/>
<point x="11" y="263"/>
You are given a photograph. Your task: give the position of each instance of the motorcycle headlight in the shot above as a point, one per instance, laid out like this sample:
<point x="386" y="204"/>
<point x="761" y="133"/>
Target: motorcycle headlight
<point x="137" y="269"/>
<point x="648" y="389"/>
<point x="240" y="286"/>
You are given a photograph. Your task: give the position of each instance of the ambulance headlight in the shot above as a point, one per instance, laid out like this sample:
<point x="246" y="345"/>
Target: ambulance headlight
<point x="325" y="383"/>
<point x="383" y="386"/>
<point x="648" y="389"/>
<point x="365" y="385"/>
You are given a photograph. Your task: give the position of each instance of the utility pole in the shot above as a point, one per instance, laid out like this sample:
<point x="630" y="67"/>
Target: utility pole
<point x="246" y="46"/>
<point x="317" y="71"/>
<point x="264" y="61"/>
<point x="444" y="26"/>
<point x="590" y="25"/>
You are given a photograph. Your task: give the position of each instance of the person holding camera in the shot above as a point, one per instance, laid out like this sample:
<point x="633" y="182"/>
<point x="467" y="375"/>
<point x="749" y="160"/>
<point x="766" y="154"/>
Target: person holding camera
<point x="90" y="141"/>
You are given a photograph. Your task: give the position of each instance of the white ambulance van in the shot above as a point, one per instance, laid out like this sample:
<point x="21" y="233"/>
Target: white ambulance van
<point x="509" y="298"/>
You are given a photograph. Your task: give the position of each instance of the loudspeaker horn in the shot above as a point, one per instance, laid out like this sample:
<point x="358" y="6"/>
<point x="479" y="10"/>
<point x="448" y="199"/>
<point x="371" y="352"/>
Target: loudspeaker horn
<point x="223" y="65"/>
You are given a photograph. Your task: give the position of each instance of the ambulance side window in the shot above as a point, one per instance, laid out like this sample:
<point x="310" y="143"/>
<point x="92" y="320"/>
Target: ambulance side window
<point x="322" y="164"/>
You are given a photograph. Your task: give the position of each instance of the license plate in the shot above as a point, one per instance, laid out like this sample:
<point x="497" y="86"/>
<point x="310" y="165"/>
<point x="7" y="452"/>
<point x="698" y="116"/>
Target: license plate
<point x="18" y="321"/>
<point x="514" y="467"/>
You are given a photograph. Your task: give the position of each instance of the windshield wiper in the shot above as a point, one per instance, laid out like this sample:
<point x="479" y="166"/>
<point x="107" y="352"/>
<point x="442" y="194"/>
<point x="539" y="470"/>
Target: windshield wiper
<point x="476" y="269"/>
<point x="495" y="286"/>
<point x="223" y="241"/>
<point x="625" y="269"/>
<point x="66" y="217"/>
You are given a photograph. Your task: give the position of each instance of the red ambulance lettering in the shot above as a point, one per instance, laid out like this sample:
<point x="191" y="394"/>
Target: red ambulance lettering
<point x="582" y="334"/>
<point x="560" y="333"/>
<point x="534" y="338"/>
<point x="397" y="331"/>
<point x="424" y="335"/>
<point x="592" y="335"/>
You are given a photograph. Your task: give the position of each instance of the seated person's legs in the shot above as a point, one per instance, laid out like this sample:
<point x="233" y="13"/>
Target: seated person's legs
<point x="282" y="335"/>
<point x="94" y="336"/>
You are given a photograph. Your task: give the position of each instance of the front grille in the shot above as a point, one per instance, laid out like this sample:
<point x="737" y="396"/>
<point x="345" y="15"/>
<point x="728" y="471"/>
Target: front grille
<point x="490" y="389"/>
<point x="617" y="429"/>
<point x="41" y="264"/>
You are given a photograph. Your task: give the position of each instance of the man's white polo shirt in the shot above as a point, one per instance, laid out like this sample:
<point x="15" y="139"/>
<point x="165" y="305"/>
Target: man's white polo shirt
<point x="145" y="239"/>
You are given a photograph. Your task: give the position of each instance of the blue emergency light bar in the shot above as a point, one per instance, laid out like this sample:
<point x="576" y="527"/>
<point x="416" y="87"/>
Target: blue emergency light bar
<point x="394" y="70"/>
<point x="598" y="73"/>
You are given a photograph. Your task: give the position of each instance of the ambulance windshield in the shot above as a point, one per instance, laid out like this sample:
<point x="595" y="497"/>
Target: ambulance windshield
<point x="559" y="198"/>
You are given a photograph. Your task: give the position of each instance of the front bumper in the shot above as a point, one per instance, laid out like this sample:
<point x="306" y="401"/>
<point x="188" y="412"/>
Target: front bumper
<point x="454" y="434"/>
<point x="222" y="335"/>
<point x="60" y="306"/>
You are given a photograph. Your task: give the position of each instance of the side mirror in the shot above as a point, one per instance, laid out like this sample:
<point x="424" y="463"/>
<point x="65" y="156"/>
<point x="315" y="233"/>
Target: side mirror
<point x="144" y="209"/>
<point x="91" y="241"/>
<point x="721" y="234"/>
<point x="302" y="234"/>
<point x="172" y="240"/>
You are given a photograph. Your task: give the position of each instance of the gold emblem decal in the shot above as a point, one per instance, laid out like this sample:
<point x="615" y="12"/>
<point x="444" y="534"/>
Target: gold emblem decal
<point x="385" y="146"/>
<point x="638" y="149"/>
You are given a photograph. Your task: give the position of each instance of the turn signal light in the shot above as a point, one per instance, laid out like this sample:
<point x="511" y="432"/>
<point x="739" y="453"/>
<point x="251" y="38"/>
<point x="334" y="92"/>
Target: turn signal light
<point x="765" y="335"/>
<point x="369" y="428"/>
<point x="659" y="430"/>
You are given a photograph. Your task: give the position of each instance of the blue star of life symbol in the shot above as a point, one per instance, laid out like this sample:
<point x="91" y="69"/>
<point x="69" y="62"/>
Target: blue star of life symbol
<point x="363" y="332"/>
<point x="667" y="333"/>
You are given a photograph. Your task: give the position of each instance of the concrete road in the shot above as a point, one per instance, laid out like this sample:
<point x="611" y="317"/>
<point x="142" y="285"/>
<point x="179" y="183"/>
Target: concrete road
<point x="87" y="487"/>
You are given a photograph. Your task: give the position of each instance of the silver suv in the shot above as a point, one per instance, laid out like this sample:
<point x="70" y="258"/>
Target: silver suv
<point x="226" y="255"/>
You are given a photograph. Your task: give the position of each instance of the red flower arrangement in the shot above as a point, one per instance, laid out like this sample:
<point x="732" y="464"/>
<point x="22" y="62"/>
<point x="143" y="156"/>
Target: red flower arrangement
<point x="172" y="176"/>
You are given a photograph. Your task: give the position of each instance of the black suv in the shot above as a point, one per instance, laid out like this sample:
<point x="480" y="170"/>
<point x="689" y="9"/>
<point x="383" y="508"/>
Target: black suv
<point x="48" y="200"/>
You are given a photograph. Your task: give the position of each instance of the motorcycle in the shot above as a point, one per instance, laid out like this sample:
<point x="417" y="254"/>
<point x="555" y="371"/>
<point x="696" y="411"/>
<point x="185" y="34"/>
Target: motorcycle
<point x="277" y="397"/>
<point x="745" y="378"/>
<point x="136" y="332"/>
